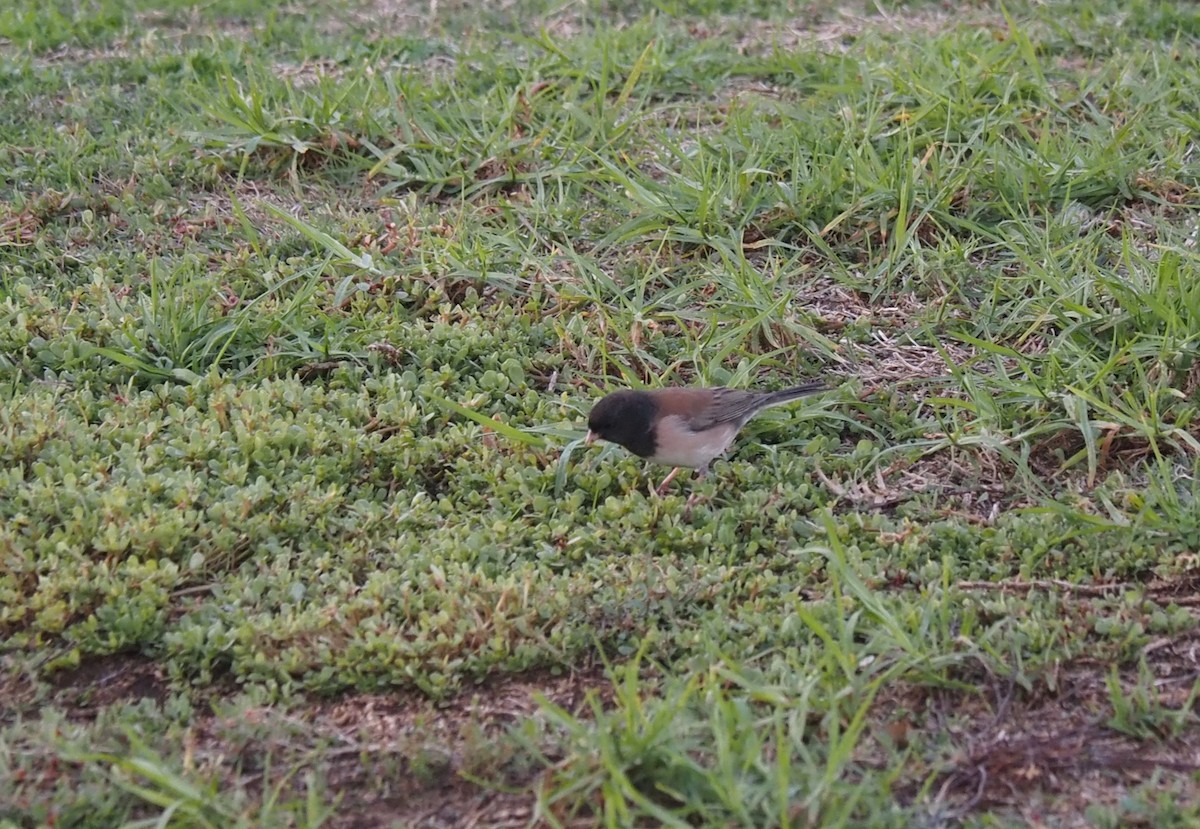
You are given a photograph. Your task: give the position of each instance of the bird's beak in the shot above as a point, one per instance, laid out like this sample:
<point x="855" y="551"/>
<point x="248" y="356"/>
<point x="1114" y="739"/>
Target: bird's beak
<point x="590" y="439"/>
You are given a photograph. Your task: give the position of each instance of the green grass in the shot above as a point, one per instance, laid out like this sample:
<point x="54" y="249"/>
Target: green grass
<point x="301" y="314"/>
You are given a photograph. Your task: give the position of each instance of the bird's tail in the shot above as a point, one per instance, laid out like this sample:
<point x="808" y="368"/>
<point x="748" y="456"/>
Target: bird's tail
<point x="776" y="398"/>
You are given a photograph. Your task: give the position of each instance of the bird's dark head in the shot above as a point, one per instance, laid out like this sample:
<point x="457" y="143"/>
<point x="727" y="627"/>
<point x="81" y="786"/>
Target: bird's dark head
<point x="625" y="417"/>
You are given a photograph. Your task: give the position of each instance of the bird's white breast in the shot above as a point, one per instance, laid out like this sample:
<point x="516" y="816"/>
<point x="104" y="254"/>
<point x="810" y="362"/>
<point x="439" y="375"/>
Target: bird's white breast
<point x="677" y="445"/>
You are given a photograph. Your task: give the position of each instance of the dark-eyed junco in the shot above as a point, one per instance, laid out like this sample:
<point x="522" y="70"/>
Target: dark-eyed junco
<point x="681" y="427"/>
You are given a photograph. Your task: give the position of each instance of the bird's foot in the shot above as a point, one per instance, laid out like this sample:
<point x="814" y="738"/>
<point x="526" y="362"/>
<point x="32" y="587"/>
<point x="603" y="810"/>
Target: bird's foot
<point x="662" y="488"/>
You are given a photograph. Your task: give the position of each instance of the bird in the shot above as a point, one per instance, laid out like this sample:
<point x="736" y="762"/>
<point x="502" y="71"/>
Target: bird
<point x="682" y="427"/>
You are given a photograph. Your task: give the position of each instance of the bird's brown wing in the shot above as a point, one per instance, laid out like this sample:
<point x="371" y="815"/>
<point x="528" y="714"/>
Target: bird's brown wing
<point x="705" y="409"/>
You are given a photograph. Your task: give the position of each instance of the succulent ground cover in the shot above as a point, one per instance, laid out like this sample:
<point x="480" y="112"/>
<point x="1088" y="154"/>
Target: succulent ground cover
<point x="302" y="308"/>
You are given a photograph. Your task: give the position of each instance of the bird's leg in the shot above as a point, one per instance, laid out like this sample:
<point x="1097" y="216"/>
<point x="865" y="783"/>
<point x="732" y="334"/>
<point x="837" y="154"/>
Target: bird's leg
<point x="695" y="496"/>
<point x="662" y="488"/>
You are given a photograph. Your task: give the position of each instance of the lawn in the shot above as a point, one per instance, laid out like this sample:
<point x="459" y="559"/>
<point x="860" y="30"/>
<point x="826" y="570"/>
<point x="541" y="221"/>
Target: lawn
<point x="302" y="309"/>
